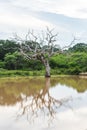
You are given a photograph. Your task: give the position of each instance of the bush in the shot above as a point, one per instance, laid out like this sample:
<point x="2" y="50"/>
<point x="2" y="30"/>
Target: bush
<point x="2" y="64"/>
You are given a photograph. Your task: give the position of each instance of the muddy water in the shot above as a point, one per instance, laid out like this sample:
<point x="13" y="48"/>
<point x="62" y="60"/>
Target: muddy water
<point x="43" y="104"/>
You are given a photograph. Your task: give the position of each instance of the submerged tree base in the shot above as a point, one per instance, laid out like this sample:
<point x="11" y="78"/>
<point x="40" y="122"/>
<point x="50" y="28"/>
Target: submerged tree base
<point x="47" y="76"/>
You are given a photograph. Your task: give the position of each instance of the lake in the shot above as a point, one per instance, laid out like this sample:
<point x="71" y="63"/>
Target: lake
<point x="37" y="103"/>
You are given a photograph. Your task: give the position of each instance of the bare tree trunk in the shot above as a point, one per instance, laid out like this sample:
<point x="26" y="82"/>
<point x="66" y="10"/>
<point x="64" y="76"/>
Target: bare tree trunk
<point x="47" y="69"/>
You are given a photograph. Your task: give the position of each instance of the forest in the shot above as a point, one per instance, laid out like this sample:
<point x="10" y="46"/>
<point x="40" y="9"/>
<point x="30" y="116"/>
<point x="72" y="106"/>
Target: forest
<point x="71" y="62"/>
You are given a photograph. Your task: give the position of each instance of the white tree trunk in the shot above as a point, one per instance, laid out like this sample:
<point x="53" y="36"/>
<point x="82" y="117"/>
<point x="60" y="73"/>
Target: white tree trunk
<point x="47" y="67"/>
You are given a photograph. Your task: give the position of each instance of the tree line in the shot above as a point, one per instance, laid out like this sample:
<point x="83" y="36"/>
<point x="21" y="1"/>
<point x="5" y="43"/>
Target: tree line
<point x="72" y="61"/>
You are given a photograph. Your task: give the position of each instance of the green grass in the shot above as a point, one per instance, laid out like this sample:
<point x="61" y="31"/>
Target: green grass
<point x="12" y="73"/>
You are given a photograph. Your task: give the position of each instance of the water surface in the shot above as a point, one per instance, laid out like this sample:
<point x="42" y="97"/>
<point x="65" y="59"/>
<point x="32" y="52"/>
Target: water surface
<point x="43" y="104"/>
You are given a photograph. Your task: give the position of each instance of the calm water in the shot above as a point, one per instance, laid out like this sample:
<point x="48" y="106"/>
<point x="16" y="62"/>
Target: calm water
<point x="43" y="104"/>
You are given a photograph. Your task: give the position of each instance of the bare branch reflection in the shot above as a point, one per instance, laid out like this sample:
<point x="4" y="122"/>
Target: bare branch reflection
<point x="40" y="103"/>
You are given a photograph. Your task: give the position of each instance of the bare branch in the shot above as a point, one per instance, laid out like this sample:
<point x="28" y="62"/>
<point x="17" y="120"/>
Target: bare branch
<point x="72" y="42"/>
<point x="41" y="47"/>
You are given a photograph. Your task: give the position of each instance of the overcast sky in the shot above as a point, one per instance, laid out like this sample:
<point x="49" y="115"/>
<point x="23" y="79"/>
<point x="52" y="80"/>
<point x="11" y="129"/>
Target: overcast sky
<point x="68" y="17"/>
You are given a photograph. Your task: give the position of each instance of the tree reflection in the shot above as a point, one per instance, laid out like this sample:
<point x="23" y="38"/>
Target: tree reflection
<point x="40" y="103"/>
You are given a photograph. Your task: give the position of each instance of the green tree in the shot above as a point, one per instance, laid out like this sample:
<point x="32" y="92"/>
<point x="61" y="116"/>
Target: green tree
<point x="79" y="47"/>
<point x="7" y="46"/>
<point x="14" y="61"/>
<point x="2" y="64"/>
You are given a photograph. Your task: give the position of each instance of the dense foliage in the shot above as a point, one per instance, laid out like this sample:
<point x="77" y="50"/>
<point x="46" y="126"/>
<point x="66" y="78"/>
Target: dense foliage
<point x="73" y="61"/>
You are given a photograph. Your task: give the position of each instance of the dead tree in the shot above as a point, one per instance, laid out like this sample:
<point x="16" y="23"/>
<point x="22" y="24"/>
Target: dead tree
<point x="40" y="47"/>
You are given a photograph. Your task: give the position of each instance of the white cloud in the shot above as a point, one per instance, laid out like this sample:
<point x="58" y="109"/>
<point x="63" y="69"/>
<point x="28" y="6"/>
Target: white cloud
<point x="72" y="120"/>
<point x="20" y="15"/>
<point x="71" y="8"/>
<point x="22" y="21"/>
<point x="13" y="19"/>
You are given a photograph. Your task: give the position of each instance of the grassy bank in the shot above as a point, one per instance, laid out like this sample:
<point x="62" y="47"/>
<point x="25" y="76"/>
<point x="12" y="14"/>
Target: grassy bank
<point x="11" y="73"/>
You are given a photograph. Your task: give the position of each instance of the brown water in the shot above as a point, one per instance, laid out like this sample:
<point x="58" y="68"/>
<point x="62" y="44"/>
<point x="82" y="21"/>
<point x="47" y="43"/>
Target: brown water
<point x="58" y="103"/>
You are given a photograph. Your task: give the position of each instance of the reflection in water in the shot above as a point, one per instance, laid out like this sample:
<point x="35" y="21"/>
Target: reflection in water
<point x="11" y="90"/>
<point x="41" y="101"/>
<point x="37" y="97"/>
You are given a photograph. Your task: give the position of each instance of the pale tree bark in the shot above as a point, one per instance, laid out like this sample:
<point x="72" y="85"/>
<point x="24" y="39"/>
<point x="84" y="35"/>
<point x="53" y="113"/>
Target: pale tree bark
<point x="47" y="69"/>
<point x="40" y="47"/>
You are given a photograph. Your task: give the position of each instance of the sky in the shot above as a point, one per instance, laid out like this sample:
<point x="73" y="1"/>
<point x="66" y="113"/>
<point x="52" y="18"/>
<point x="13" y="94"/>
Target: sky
<point x="67" y="17"/>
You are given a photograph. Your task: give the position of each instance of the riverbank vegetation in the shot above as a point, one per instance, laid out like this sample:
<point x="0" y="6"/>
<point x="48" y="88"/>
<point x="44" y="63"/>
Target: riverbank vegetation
<point x="72" y="62"/>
